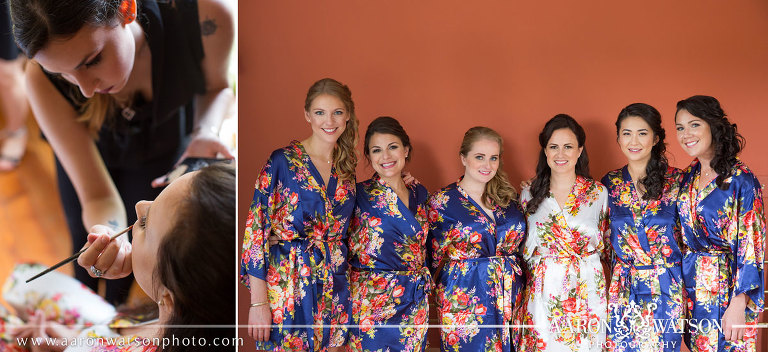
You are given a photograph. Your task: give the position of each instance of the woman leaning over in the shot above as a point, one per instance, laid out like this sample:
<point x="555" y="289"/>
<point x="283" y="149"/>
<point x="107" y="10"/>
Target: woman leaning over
<point x="647" y="280"/>
<point x="567" y="222"/>
<point x="121" y="89"/>
<point x="476" y="228"/>
<point x="721" y="212"/>
<point x="304" y="197"/>
<point x="389" y="278"/>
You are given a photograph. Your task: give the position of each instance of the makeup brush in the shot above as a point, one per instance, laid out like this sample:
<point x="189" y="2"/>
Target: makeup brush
<point x="74" y="256"/>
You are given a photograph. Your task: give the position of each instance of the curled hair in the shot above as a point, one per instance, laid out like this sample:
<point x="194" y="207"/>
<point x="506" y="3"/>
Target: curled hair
<point x="540" y="183"/>
<point x="655" y="171"/>
<point x="195" y="260"/>
<point x="387" y="125"/>
<point x="498" y="191"/>
<point x="726" y="139"/>
<point x="37" y="22"/>
<point x="344" y="156"/>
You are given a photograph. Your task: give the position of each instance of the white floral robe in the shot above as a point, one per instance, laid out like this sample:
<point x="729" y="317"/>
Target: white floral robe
<point x="565" y="306"/>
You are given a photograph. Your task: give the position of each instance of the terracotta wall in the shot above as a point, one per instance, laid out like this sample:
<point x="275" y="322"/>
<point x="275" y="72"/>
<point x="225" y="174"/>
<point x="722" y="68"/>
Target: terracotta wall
<point x="441" y="67"/>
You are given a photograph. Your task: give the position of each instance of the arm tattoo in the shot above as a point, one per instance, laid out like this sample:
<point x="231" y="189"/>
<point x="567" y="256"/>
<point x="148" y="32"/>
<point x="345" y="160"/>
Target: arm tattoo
<point x="208" y="27"/>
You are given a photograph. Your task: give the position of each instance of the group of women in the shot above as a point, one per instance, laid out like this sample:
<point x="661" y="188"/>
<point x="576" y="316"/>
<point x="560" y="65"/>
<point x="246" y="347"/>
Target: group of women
<point x="646" y="258"/>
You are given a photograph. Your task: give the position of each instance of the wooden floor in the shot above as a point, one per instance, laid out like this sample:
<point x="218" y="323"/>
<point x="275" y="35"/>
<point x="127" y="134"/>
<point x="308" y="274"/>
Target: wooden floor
<point x="32" y="225"/>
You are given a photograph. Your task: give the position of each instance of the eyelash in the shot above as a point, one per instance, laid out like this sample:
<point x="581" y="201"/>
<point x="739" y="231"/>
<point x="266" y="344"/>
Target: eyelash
<point x="143" y="222"/>
<point x="96" y="60"/>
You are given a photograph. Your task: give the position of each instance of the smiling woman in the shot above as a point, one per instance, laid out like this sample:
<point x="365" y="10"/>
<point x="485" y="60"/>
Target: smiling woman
<point x="122" y="89"/>
<point x="299" y="286"/>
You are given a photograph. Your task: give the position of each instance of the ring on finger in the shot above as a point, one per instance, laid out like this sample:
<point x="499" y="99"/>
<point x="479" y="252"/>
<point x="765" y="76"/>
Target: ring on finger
<point x="96" y="272"/>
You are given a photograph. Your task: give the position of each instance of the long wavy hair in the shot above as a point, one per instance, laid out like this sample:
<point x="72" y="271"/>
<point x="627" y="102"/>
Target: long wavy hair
<point x="540" y="183"/>
<point x="654" y="180"/>
<point x="195" y="259"/>
<point x="386" y="125"/>
<point x="498" y="191"/>
<point x="726" y="140"/>
<point x="344" y="156"/>
<point x="37" y="22"/>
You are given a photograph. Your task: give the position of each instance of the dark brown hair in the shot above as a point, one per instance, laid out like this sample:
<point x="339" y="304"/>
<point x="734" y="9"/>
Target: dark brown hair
<point x="37" y="22"/>
<point x="386" y="125"/>
<point x="726" y="140"/>
<point x="195" y="261"/>
<point x="657" y="166"/>
<point x="540" y="183"/>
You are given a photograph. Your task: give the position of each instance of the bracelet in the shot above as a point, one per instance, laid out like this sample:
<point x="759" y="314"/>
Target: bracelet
<point x="259" y="304"/>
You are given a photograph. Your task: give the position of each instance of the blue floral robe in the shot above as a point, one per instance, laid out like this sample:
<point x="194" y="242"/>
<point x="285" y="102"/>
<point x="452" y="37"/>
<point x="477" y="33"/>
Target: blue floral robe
<point x="306" y="272"/>
<point x="481" y="280"/>
<point x="389" y="278"/>
<point x="645" y="299"/>
<point x="724" y="231"/>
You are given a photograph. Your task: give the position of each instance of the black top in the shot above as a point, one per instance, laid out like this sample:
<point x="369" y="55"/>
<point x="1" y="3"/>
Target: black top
<point x="159" y="127"/>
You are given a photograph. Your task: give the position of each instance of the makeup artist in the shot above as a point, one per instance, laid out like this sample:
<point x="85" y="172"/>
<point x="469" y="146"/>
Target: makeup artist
<point x="122" y="90"/>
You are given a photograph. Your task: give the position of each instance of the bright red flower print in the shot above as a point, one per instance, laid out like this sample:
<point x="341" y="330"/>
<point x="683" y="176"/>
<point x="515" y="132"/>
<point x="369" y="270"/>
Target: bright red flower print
<point x="296" y="343"/>
<point x="497" y="346"/>
<point x="249" y="220"/>
<point x="374" y="221"/>
<point x="341" y="193"/>
<point x="666" y="251"/>
<point x="398" y="291"/>
<point x="541" y="345"/>
<point x="421" y="317"/>
<point x="452" y="338"/>
<point x="380" y="283"/>
<point x="433" y="215"/>
<point x="463" y="298"/>
<point x="702" y="343"/>
<point x="475" y="237"/>
<point x="277" y="315"/>
<point x="343" y="318"/>
<point x="366" y="324"/>
<point x="480" y="310"/>
<point x="263" y="180"/>
<point x="304" y="271"/>
<point x="272" y="276"/>
<point x="294" y="198"/>
<point x="569" y="305"/>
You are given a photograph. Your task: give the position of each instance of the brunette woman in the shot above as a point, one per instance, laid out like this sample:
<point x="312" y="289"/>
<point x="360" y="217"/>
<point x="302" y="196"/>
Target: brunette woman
<point x="721" y="211"/>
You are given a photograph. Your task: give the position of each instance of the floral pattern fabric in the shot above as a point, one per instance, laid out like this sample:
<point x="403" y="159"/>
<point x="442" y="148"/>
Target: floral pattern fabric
<point x="481" y="279"/>
<point x="724" y="232"/>
<point x="306" y="272"/>
<point x="565" y="299"/>
<point x="390" y="282"/>
<point x="646" y="292"/>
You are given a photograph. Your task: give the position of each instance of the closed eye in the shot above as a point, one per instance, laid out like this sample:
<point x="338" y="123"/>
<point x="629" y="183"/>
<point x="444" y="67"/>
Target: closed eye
<point x="95" y="61"/>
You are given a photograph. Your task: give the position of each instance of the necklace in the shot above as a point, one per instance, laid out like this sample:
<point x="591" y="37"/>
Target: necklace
<point x="126" y="108"/>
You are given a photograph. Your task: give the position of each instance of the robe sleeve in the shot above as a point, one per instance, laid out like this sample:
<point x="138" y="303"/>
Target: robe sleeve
<point x="258" y="224"/>
<point x="604" y="226"/>
<point x="749" y="245"/>
<point x="436" y="238"/>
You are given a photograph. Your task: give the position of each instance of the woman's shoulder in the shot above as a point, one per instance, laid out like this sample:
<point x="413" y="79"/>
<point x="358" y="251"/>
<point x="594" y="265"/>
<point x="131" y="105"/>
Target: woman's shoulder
<point x="744" y="175"/>
<point x="613" y="177"/>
